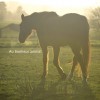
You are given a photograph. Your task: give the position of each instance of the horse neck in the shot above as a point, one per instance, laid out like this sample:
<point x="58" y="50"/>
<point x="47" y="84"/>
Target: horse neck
<point x="35" y="24"/>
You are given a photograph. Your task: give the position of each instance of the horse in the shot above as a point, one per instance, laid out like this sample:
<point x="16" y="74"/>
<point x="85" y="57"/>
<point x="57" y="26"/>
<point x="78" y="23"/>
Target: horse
<point x="71" y="29"/>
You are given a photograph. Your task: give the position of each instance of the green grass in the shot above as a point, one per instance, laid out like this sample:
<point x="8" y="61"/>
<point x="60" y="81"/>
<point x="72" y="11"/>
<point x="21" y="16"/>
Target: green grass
<point x="20" y="77"/>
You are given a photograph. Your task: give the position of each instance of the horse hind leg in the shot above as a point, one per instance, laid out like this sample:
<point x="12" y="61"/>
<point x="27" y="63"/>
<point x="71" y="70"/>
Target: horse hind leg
<point x="79" y="58"/>
<point x="70" y="75"/>
<point x="57" y="63"/>
<point x="45" y="62"/>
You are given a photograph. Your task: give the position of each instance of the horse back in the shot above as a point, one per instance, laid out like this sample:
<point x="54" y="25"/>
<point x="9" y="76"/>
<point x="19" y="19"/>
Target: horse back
<point x="62" y="30"/>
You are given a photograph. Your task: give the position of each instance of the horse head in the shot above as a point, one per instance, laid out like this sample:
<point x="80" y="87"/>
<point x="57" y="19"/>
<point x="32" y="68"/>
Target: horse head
<point x="25" y="28"/>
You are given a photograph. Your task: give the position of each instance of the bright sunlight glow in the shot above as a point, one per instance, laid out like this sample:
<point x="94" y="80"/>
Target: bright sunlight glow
<point x="59" y="3"/>
<point x="60" y="6"/>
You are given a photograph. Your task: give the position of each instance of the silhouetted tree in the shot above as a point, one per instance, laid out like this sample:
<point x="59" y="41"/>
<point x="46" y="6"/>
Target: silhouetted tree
<point x="3" y="10"/>
<point x="95" y="18"/>
<point x="19" y="11"/>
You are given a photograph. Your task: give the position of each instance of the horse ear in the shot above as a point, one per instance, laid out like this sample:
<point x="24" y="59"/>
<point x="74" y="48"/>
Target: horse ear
<point x="22" y="16"/>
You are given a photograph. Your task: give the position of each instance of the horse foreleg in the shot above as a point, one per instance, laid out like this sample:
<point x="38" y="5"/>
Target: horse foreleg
<point x="70" y="75"/>
<point x="57" y="63"/>
<point x="45" y="62"/>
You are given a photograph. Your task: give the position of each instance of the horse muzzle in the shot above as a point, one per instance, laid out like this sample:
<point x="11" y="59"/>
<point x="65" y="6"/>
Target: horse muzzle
<point x="21" y="39"/>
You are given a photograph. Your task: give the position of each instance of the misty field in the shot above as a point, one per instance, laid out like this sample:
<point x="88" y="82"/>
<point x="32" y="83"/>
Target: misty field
<point x="21" y="71"/>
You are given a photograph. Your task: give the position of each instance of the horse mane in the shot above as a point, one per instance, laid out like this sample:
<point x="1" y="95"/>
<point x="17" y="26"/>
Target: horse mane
<point x="45" y="14"/>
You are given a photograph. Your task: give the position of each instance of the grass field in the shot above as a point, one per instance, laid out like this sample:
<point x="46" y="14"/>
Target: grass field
<point x="20" y="73"/>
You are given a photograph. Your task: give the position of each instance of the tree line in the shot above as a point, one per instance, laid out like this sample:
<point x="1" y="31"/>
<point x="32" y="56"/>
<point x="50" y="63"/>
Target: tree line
<point x="94" y="15"/>
<point x="5" y="14"/>
<point x="95" y="18"/>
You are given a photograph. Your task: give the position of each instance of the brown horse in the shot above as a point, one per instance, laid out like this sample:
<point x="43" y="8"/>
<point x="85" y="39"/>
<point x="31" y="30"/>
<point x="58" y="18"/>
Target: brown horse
<point x="56" y="31"/>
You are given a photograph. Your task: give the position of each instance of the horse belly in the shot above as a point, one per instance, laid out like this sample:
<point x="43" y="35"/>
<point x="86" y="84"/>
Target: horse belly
<point x="57" y="40"/>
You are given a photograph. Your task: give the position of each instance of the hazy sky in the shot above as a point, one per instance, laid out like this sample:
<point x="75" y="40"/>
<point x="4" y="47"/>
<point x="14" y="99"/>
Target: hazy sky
<point x="60" y="6"/>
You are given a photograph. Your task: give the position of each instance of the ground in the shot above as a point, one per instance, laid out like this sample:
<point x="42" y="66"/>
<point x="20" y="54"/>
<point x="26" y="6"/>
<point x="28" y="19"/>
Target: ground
<point x="20" y="76"/>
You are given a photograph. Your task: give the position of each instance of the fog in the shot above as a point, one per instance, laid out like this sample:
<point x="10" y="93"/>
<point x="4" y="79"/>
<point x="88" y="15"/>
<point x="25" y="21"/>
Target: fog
<point x="59" y="6"/>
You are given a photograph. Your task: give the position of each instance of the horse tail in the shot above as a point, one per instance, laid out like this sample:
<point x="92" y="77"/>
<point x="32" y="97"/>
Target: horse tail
<point x="86" y="56"/>
<point x="86" y="50"/>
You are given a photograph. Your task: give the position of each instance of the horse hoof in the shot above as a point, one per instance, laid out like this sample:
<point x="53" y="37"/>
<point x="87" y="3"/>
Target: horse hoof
<point x="43" y="77"/>
<point x="63" y="76"/>
<point x="84" y="82"/>
<point x="69" y="77"/>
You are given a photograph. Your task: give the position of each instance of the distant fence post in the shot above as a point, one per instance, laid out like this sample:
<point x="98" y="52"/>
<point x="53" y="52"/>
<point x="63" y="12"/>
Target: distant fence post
<point x="0" y="33"/>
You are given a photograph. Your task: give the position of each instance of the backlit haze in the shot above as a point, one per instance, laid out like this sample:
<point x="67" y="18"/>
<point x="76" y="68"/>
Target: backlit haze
<point x="59" y="6"/>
